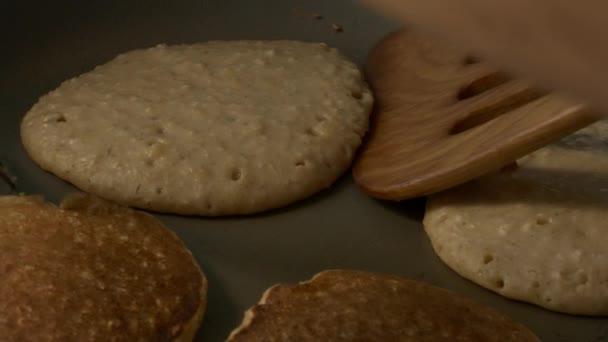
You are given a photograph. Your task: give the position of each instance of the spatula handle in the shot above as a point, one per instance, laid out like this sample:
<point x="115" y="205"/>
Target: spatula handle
<point x="559" y="44"/>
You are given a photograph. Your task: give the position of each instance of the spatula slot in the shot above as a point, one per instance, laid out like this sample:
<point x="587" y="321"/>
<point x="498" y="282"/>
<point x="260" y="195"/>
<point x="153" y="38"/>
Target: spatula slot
<point x="489" y="113"/>
<point x="482" y="84"/>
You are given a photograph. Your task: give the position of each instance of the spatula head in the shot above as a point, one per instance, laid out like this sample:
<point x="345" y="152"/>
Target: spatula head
<point x="442" y="118"/>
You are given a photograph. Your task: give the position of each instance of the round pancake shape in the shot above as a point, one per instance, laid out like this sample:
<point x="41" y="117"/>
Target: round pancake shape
<point x="345" y="305"/>
<point x="94" y="271"/>
<point x="215" y="128"/>
<point x="536" y="233"/>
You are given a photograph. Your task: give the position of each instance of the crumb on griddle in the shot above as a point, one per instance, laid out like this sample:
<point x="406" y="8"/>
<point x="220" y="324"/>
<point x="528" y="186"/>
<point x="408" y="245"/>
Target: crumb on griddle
<point x="337" y="28"/>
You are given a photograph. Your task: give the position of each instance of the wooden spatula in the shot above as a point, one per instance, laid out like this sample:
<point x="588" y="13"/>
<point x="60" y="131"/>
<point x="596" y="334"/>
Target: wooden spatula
<point x="561" y="44"/>
<point x="442" y="118"/>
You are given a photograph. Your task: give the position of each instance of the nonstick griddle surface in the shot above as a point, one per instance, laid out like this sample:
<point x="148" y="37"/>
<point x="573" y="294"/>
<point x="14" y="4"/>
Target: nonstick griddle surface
<point x="46" y="42"/>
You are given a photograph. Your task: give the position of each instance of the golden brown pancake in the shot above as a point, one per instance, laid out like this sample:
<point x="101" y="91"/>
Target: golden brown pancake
<point x="91" y="271"/>
<point x="340" y="305"/>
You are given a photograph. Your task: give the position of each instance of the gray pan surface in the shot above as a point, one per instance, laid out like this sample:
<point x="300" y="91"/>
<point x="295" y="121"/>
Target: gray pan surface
<point x="46" y="42"/>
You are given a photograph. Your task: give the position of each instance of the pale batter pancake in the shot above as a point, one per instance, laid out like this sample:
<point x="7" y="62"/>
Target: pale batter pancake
<point x="538" y="233"/>
<point x="215" y="128"/>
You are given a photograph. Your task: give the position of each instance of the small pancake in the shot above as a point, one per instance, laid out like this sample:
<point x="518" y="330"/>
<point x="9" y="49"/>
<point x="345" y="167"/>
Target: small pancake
<point x="537" y="233"/>
<point x="215" y="128"/>
<point x="342" y="305"/>
<point x="94" y="271"/>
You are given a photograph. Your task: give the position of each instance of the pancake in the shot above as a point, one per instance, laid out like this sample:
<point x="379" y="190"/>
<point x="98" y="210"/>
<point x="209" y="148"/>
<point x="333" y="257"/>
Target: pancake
<point x="343" y="305"/>
<point x="537" y="233"/>
<point x="94" y="271"/>
<point x="216" y="128"/>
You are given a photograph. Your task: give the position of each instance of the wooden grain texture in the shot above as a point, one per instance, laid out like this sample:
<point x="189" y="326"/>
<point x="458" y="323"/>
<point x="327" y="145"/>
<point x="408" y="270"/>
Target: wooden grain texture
<point x="442" y="119"/>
